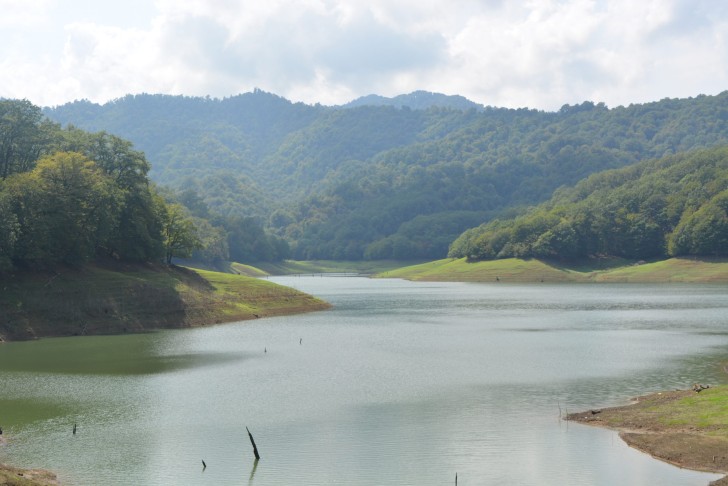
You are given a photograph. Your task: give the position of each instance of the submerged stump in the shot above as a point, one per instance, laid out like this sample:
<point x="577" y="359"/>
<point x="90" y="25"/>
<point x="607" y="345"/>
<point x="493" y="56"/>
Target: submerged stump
<point x="252" y="441"/>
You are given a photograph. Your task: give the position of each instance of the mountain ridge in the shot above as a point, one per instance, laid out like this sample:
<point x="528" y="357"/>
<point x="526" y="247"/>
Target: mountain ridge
<point x="416" y="100"/>
<point x="386" y="182"/>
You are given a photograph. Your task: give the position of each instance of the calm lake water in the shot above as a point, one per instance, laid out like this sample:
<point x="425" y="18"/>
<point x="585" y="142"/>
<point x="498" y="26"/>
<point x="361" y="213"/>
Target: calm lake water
<point x="400" y="383"/>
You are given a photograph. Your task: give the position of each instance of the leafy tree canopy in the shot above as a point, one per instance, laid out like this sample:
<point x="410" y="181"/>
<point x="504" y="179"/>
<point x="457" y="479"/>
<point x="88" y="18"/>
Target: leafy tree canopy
<point x="677" y="205"/>
<point x="350" y="182"/>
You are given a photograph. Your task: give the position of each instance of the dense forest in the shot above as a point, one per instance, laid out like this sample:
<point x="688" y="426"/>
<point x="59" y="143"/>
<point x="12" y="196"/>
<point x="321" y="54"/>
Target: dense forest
<point x="674" y="206"/>
<point x="68" y="196"/>
<point x="387" y="178"/>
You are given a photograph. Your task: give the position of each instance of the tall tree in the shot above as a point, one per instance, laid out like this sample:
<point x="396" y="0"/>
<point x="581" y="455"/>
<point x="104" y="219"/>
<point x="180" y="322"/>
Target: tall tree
<point x="65" y="208"/>
<point x="23" y="135"/>
<point x="180" y="236"/>
<point x="116" y="156"/>
<point x="9" y="229"/>
<point x="138" y="235"/>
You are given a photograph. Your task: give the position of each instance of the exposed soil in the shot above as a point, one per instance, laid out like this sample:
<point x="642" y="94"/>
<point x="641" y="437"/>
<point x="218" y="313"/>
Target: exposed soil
<point x="650" y="425"/>
<point x="12" y="476"/>
<point x="115" y="298"/>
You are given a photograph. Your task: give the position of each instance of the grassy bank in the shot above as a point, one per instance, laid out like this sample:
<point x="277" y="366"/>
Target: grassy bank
<point x="292" y="267"/>
<point x="224" y="267"/>
<point x="300" y="267"/>
<point x="117" y="299"/>
<point x="685" y="428"/>
<point x="682" y="270"/>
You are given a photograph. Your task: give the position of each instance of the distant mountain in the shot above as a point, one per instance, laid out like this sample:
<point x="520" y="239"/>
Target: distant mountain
<point x="386" y="181"/>
<point x="417" y="100"/>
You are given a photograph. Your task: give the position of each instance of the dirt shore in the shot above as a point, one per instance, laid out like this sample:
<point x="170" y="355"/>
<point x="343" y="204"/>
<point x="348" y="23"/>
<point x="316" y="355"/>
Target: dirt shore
<point x="13" y="476"/>
<point x="682" y="427"/>
<point x="116" y="298"/>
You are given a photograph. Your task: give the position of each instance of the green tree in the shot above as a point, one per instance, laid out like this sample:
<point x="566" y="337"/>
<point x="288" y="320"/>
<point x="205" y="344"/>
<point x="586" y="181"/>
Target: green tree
<point x="23" y="136"/>
<point x="248" y="242"/>
<point x="66" y="208"/>
<point x="561" y="241"/>
<point x="9" y="229"/>
<point x="127" y="167"/>
<point x="80" y="206"/>
<point x="178" y="229"/>
<point x="703" y="232"/>
<point x="213" y="242"/>
<point x="137" y="236"/>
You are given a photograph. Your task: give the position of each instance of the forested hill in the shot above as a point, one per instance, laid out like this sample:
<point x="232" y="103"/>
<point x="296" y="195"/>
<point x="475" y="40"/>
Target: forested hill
<point x="674" y="206"/>
<point x="69" y="197"/>
<point x="383" y="180"/>
<point x="417" y="100"/>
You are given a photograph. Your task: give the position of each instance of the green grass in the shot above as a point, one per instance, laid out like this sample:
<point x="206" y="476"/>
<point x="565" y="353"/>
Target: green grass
<point x="224" y="267"/>
<point x="293" y="267"/>
<point x="507" y="270"/>
<point x="706" y="410"/>
<point x="241" y="295"/>
<point x="248" y="270"/>
<point x="682" y="270"/>
<point x="685" y="270"/>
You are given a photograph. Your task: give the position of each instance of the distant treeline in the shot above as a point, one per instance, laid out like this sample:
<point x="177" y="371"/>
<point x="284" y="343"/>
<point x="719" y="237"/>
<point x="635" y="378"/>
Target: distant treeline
<point x="673" y="206"/>
<point x="68" y="196"/>
<point x="370" y="182"/>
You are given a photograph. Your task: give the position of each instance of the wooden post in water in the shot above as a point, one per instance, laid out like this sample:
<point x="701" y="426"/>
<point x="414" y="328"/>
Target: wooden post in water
<point x="255" y="449"/>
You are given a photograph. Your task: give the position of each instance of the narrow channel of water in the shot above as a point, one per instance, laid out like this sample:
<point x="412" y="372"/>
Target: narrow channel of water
<point x="400" y="383"/>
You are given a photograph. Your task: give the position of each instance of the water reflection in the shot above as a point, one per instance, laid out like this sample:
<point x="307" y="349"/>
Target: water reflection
<point x="136" y="354"/>
<point x="252" y="471"/>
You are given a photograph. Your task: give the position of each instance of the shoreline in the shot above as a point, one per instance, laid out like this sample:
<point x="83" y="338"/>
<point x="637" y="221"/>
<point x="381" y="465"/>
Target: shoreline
<point x="671" y="427"/>
<point x="119" y="299"/>
<point x="14" y="476"/>
<point x="608" y="270"/>
<point x="650" y="424"/>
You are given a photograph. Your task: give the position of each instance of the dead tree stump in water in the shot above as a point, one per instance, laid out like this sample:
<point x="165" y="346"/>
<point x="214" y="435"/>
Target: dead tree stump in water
<point x="255" y="449"/>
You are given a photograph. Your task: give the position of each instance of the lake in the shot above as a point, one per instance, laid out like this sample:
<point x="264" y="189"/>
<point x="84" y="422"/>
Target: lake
<point x="401" y="383"/>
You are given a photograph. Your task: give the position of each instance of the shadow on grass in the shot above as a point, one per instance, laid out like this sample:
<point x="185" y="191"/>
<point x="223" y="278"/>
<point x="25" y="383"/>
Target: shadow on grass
<point x="589" y="265"/>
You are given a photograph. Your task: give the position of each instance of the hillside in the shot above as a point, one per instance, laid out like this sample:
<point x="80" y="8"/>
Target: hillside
<point x="674" y="206"/>
<point x="117" y="298"/>
<point x="382" y="179"/>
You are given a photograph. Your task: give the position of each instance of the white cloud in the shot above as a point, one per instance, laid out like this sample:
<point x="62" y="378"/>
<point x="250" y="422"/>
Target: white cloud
<point x="504" y="53"/>
<point x="17" y="14"/>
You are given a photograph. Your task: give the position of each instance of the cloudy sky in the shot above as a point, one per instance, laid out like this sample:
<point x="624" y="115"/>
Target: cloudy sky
<point x="539" y="54"/>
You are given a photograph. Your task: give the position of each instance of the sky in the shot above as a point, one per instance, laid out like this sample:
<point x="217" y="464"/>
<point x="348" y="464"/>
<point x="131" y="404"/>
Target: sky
<point x="505" y="53"/>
